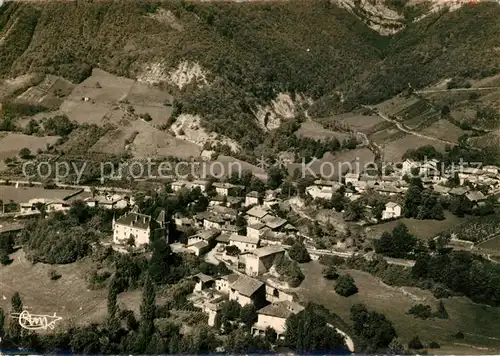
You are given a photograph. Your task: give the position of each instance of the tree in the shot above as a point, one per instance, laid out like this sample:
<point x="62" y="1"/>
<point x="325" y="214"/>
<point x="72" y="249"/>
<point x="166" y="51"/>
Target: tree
<point x="233" y="250"/>
<point x="24" y="153"/>
<point x="345" y="286"/>
<point x="309" y="332"/>
<point x="298" y="252"/>
<point x="230" y="311"/>
<point x="148" y="310"/>
<point x="338" y="201"/>
<point x="270" y="335"/>
<point x="373" y="331"/>
<point x="413" y="199"/>
<point x="441" y="312"/>
<point x="430" y="207"/>
<point x="161" y="262"/>
<point x="248" y="315"/>
<point x="399" y="243"/>
<point x="15" y="331"/>
<point x="275" y="177"/>
<point x="112" y="299"/>
<point x="378" y="209"/>
<point x="2" y="321"/>
<point x="330" y="272"/>
<point x="353" y="211"/>
<point x="415" y="344"/>
<point x="421" y="311"/>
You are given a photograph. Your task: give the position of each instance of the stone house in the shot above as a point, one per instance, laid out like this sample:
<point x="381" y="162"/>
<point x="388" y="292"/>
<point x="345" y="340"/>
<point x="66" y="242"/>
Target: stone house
<point x="260" y="260"/>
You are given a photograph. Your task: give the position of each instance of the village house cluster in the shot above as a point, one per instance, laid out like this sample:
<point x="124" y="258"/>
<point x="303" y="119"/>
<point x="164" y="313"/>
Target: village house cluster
<point x="250" y="249"/>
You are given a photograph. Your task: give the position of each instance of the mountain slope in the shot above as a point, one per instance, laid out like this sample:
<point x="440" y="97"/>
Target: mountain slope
<point x="227" y="61"/>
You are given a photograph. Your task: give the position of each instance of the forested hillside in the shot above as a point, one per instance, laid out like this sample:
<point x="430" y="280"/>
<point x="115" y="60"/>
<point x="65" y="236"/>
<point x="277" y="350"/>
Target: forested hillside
<point x="249" y="51"/>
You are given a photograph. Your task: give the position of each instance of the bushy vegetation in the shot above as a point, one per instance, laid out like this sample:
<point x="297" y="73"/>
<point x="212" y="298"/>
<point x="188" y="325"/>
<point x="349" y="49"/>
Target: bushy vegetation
<point x="309" y="332"/>
<point x="372" y="330"/>
<point x="289" y="269"/>
<point x="399" y="243"/>
<point x="345" y="286"/>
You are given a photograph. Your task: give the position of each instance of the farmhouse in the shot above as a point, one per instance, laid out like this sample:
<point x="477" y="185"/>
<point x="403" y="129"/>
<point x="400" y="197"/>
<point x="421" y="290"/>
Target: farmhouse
<point x="259" y="261"/>
<point x="223" y="283"/>
<point x="275" y="316"/>
<point x="225" y="189"/>
<point x="351" y="178"/>
<point x="274" y="294"/>
<point x="199" y="248"/>
<point x="244" y="243"/>
<point x="202" y="184"/>
<point x="252" y="198"/>
<point x="256" y="230"/>
<point x="391" y="211"/>
<point x="246" y="290"/>
<point x="208" y="236"/>
<point x="256" y="214"/>
<point x="475" y="196"/>
<point x="138" y="228"/>
<point x="408" y="166"/>
<point x="178" y="185"/>
<point x="459" y="191"/>
<point x="441" y="189"/>
<point x="491" y="169"/>
<point x="317" y="192"/>
<point x="274" y="223"/>
<point x="108" y="201"/>
<point x="203" y="281"/>
<point x="212" y="221"/>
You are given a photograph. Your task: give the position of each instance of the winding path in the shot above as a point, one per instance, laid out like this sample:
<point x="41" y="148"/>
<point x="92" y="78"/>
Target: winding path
<point x="429" y="91"/>
<point x="402" y="128"/>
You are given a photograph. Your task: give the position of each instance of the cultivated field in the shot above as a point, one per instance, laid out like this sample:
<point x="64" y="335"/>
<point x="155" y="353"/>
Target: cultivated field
<point x="331" y="165"/>
<point x="315" y="131"/>
<point x="444" y="130"/>
<point x="10" y="86"/>
<point x="48" y="93"/>
<point x="151" y="142"/>
<point x="492" y="245"/>
<point x="394" y="150"/>
<point x="423" y="229"/>
<point x="11" y="143"/>
<point x="480" y="324"/>
<point x="358" y="122"/>
<point x="23" y="194"/>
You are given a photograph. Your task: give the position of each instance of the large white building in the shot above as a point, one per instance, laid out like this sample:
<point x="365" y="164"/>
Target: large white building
<point x="138" y="228"/>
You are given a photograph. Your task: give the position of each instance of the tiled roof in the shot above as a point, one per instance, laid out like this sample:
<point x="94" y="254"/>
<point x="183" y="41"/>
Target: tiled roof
<point x="281" y="309"/>
<point x="244" y="239"/>
<point x="246" y="286"/>
<point x="136" y="220"/>
<point x="257" y="211"/>
<point x="266" y="251"/>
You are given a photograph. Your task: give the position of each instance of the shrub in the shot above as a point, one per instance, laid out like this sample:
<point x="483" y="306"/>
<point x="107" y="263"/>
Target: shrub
<point x="4" y="258"/>
<point x="298" y="252"/>
<point x="459" y="335"/>
<point x="25" y="153"/>
<point x="233" y="250"/>
<point x="330" y="272"/>
<point x="53" y="275"/>
<point x="415" y="344"/>
<point x="345" y="286"/>
<point x="434" y="345"/>
<point x="421" y="311"/>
